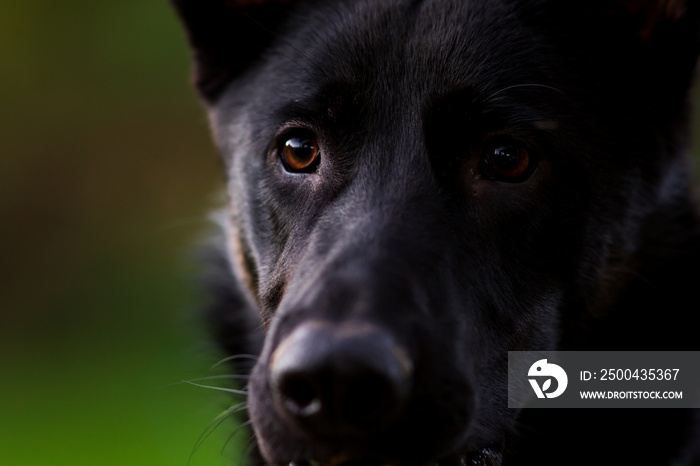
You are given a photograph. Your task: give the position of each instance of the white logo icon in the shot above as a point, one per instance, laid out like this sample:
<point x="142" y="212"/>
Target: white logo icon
<point x="542" y="368"/>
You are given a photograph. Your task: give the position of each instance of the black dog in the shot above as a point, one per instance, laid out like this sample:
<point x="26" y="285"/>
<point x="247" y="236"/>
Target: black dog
<point x="418" y="186"/>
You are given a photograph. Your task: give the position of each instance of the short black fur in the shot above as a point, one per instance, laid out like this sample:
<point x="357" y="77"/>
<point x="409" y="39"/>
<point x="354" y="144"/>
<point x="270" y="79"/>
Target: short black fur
<point x="404" y="241"/>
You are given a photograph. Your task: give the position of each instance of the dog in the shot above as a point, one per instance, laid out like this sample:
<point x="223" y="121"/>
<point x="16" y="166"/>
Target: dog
<point x="417" y="187"/>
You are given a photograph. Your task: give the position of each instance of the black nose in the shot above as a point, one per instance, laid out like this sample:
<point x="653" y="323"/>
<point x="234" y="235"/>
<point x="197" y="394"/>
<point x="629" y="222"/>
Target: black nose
<point x="339" y="380"/>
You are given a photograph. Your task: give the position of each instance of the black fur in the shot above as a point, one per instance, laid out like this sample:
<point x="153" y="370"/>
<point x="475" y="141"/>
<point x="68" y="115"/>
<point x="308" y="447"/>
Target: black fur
<point x="405" y="226"/>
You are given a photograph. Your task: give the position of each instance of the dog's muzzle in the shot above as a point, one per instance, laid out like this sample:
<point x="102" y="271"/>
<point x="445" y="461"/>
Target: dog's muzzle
<point x="339" y="380"/>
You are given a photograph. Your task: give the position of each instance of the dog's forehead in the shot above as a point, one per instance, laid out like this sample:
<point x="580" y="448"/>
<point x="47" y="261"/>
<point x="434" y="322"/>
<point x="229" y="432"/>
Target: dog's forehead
<point x="384" y="66"/>
<point x="432" y="44"/>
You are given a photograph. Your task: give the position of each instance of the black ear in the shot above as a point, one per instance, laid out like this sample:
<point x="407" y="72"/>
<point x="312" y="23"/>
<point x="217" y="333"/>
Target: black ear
<point x="226" y="36"/>
<point x="668" y="37"/>
<point x="654" y="15"/>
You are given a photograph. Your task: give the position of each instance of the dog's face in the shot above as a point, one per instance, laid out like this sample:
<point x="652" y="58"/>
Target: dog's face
<point x="418" y="187"/>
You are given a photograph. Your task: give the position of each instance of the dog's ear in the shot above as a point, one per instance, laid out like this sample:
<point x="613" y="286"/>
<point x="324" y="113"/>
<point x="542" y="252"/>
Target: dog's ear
<point x="652" y="16"/>
<point x="668" y="46"/>
<point x="226" y="36"/>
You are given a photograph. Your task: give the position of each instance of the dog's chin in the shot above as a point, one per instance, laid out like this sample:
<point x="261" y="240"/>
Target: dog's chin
<point x="488" y="456"/>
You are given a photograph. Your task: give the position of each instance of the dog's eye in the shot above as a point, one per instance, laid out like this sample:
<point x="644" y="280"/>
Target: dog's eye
<point x="300" y="153"/>
<point x="507" y="159"/>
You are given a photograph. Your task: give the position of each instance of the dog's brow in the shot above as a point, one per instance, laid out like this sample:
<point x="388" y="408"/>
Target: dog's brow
<point x="546" y="125"/>
<point x="297" y="111"/>
<point x="312" y="109"/>
<point x="517" y="86"/>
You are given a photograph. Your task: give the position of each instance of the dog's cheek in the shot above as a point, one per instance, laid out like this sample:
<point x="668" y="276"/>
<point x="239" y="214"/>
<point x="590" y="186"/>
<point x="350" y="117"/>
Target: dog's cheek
<point x="252" y="231"/>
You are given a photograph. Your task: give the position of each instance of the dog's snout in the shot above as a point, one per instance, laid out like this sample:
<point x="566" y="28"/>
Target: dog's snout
<point x="340" y="379"/>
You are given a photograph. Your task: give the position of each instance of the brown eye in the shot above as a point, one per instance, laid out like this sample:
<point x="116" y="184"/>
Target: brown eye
<point x="507" y="159"/>
<point x="300" y="153"/>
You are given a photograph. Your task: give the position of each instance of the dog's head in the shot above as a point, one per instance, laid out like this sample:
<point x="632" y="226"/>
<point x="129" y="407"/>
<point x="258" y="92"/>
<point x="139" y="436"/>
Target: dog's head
<point x="418" y="187"/>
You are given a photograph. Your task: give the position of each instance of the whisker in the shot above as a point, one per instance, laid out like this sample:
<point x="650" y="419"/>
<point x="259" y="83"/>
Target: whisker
<point x="200" y="379"/>
<point x="222" y="377"/>
<point x="251" y="357"/>
<point x="214" y="424"/>
<point x="234" y="433"/>
<point x="251" y="445"/>
<point x="515" y="86"/>
<point x="221" y="389"/>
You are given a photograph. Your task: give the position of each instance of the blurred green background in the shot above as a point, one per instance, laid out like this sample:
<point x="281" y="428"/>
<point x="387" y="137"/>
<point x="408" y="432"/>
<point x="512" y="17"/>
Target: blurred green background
<point x="107" y="174"/>
<point x="106" y="177"/>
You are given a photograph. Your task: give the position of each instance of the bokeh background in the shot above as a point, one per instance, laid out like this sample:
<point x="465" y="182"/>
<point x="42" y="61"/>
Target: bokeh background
<point x="107" y="175"/>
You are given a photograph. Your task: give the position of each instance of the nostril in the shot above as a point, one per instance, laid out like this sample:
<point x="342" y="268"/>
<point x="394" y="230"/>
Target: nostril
<point x="300" y="394"/>
<point x="339" y="380"/>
